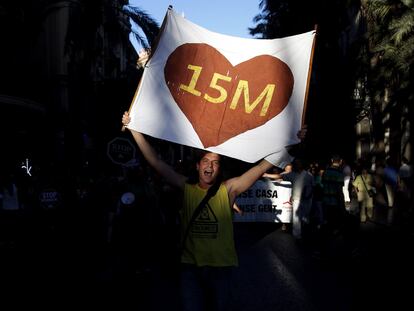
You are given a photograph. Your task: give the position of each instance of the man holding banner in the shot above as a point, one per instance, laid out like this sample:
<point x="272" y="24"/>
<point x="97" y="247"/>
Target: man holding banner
<point x="242" y="98"/>
<point x="209" y="252"/>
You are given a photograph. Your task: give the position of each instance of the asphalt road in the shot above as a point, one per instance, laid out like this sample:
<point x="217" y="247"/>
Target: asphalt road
<point x="276" y="272"/>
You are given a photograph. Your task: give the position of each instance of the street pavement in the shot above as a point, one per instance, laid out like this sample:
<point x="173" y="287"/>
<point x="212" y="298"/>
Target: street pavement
<point x="276" y="272"/>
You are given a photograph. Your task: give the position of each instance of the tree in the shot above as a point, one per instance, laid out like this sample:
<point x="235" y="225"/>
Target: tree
<point x="284" y="18"/>
<point x="102" y="65"/>
<point x="389" y="56"/>
<point x="144" y="21"/>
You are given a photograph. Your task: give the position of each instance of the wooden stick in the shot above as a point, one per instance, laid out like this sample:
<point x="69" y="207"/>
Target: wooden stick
<point x="153" y="49"/>
<point x="132" y="103"/>
<point x="309" y="76"/>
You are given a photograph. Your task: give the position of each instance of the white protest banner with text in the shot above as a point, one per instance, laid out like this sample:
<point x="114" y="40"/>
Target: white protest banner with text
<point x="265" y="201"/>
<point x="238" y="97"/>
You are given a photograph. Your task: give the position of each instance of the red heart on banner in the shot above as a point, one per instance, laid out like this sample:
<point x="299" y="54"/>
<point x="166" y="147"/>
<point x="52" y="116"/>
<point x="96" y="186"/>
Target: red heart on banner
<point x="221" y="100"/>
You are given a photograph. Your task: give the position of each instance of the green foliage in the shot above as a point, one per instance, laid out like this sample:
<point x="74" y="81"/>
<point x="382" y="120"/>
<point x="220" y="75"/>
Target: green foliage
<point x="145" y="22"/>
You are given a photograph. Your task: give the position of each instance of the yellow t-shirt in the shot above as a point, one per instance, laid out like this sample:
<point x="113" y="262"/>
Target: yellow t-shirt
<point x="210" y="241"/>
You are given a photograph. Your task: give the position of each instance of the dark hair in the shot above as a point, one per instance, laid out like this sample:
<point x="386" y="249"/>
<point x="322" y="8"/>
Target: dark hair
<point x="200" y="153"/>
<point x="336" y="158"/>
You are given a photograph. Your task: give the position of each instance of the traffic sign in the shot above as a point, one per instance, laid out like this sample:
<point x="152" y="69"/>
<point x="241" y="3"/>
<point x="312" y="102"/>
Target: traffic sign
<point x="121" y="151"/>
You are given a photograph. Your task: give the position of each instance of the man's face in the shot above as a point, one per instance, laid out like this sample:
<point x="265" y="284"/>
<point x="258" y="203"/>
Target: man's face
<point x="208" y="169"/>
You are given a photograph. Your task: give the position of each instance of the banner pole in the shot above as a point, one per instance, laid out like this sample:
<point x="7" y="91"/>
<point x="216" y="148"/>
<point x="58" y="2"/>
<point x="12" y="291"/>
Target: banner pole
<point x="153" y="49"/>
<point x="305" y="104"/>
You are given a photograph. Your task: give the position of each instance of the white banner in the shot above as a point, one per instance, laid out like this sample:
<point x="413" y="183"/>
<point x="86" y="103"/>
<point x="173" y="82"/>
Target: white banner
<point x="239" y="97"/>
<point x="265" y="201"/>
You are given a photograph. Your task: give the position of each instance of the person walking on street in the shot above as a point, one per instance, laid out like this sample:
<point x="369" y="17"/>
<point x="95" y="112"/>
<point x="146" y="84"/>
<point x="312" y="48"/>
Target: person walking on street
<point x="364" y="185"/>
<point x="333" y="196"/>
<point x="302" y="192"/>
<point x="346" y="169"/>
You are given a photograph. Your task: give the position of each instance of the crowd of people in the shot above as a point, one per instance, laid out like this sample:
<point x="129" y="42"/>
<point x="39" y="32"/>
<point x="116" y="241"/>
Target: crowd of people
<point x="339" y="197"/>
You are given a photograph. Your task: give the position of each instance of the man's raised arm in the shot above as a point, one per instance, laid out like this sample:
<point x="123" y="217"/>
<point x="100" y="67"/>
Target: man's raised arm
<point x="166" y="171"/>
<point x="237" y="185"/>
